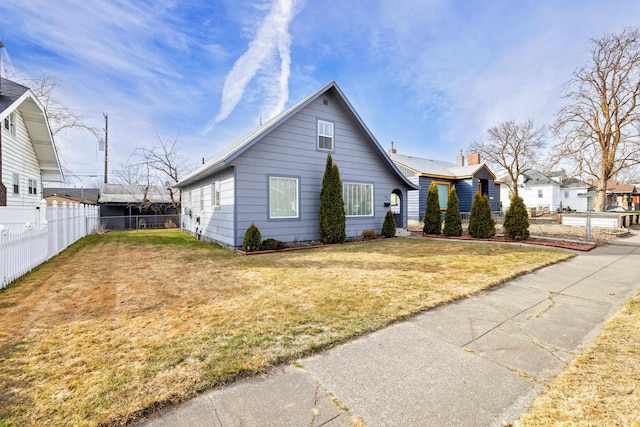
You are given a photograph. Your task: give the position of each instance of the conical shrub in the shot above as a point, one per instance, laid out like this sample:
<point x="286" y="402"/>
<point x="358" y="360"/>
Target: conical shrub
<point x="452" y="218"/>
<point x="389" y="225"/>
<point x="516" y="220"/>
<point x="332" y="220"/>
<point x="432" y="214"/>
<point x="481" y="223"/>
<point x="252" y="239"/>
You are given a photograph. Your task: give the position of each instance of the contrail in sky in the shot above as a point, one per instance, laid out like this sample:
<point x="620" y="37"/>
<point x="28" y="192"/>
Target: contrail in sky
<point x="272" y="42"/>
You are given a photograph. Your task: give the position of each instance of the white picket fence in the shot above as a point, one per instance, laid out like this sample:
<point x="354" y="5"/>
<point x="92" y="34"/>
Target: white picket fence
<point x="30" y="236"/>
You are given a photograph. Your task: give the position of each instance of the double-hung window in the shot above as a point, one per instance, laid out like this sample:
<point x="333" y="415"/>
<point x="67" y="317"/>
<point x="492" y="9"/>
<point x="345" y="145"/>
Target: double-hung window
<point x="325" y="135"/>
<point x="33" y="186"/>
<point x="10" y="123"/>
<point x="16" y="183"/>
<point x="283" y="197"/>
<point x="358" y="199"/>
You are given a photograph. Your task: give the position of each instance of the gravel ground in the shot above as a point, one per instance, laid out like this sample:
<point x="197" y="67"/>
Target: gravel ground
<point x="556" y="231"/>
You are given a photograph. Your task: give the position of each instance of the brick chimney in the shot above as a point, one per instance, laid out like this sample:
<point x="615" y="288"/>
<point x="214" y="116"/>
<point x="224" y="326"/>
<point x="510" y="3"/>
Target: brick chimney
<point x="460" y="159"/>
<point x="474" y="159"/>
<point x="392" y="150"/>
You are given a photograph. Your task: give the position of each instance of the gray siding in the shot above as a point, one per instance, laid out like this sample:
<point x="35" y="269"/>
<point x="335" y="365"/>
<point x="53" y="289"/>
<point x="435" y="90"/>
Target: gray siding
<point x="413" y="200"/>
<point x="291" y="150"/>
<point x="205" y="220"/>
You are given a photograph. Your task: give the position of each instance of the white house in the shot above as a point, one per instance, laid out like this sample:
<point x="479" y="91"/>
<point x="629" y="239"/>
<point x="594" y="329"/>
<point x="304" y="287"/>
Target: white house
<point x="547" y="193"/>
<point x="28" y="154"/>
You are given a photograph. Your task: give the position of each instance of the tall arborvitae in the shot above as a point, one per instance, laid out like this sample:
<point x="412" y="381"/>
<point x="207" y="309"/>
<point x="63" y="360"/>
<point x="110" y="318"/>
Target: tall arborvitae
<point x="481" y="223"/>
<point x="432" y="214"/>
<point x="331" y="218"/>
<point x="452" y="218"/>
<point x="516" y="220"/>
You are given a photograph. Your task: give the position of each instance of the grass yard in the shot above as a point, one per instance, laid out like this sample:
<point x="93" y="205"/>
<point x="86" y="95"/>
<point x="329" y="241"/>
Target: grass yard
<point x="122" y="323"/>
<point x="600" y="387"/>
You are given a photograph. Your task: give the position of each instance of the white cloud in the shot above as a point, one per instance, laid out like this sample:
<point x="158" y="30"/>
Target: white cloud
<point x="272" y="42"/>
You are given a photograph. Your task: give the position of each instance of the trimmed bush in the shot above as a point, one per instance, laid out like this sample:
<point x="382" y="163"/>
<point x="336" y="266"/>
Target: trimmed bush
<point x="389" y="225"/>
<point x="272" y="245"/>
<point x="481" y="223"/>
<point x="516" y="220"/>
<point x="432" y="215"/>
<point x="252" y="239"/>
<point x="332" y="220"/>
<point x="452" y="218"/>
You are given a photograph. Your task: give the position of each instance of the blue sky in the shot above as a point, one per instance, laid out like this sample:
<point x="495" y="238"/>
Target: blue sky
<point x="431" y="75"/>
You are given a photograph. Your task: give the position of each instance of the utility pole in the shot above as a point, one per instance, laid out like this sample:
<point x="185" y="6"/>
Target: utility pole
<point x="106" y="145"/>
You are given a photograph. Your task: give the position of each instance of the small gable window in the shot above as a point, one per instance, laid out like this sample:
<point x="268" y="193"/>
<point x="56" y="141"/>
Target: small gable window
<point x="540" y="193"/>
<point x="325" y="135"/>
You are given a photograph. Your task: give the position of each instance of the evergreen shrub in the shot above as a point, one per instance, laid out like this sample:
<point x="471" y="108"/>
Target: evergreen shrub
<point x="516" y="220"/>
<point x="452" y="218"/>
<point x="252" y="239"/>
<point x="389" y="225"/>
<point x="481" y="223"/>
<point x="332" y="220"/>
<point x="432" y="214"/>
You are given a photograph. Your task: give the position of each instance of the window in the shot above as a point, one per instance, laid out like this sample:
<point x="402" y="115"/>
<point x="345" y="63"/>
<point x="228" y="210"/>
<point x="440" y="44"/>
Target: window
<point x="566" y="194"/>
<point x="201" y="199"/>
<point x="358" y="199"/>
<point x="215" y="194"/>
<point x="33" y="186"/>
<point x="539" y="193"/>
<point x="325" y="135"/>
<point x="443" y="194"/>
<point x="10" y="123"/>
<point x="283" y="197"/>
<point x="16" y="183"/>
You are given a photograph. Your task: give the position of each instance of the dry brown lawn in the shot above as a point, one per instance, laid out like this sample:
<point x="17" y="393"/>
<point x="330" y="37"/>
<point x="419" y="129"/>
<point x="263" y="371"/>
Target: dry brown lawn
<point x="600" y="387"/>
<point x="122" y="323"/>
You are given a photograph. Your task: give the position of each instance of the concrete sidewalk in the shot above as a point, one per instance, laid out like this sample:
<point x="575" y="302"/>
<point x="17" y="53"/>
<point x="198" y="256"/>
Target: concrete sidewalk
<point x="479" y="361"/>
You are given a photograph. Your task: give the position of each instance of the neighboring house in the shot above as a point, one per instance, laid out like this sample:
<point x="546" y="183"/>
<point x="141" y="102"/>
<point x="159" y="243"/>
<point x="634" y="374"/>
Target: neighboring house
<point x="136" y="206"/>
<point x="86" y="196"/>
<point x="272" y="177"/>
<point x="468" y="180"/>
<point x="622" y="195"/>
<point x="548" y="193"/>
<point x="28" y="154"/>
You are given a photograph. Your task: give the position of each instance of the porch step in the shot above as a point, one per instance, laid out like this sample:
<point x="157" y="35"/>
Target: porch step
<point x="402" y="232"/>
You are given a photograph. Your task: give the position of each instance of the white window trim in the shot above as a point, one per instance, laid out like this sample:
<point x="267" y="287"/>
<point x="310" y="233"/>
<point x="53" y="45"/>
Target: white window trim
<point x="215" y="194"/>
<point x="297" y="192"/>
<point x="16" y="181"/>
<point x="10" y="123"/>
<point x="371" y="196"/>
<point x="332" y="136"/>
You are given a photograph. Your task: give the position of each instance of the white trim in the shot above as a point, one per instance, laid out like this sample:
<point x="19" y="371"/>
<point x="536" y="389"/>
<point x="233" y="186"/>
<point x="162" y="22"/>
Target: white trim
<point x="344" y="196"/>
<point x="295" y="208"/>
<point x="324" y="134"/>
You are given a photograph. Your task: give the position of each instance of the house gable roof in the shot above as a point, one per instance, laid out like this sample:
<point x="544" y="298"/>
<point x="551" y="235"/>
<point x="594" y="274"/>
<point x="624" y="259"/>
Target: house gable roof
<point x="438" y="169"/>
<point x="533" y="177"/>
<point x="18" y="97"/>
<point x="84" y="195"/>
<point x="226" y="157"/>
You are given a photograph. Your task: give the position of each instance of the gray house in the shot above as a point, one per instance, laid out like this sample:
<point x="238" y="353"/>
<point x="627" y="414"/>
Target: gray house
<point x="272" y="176"/>
<point x="468" y="179"/>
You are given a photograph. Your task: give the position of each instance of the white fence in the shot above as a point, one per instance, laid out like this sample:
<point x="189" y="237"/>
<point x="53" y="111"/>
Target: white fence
<point x="30" y="236"/>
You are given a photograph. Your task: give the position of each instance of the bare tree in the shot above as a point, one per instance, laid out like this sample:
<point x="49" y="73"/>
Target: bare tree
<point x="514" y="147"/>
<point x="60" y="116"/>
<point x="161" y="165"/>
<point x="600" y="123"/>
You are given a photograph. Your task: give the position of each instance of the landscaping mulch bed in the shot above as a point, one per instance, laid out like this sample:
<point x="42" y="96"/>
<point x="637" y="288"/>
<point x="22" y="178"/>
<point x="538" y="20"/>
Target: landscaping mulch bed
<point x="555" y="243"/>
